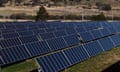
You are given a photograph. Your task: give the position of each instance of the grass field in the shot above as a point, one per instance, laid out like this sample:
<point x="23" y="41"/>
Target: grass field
<point x="97" y="63"/>
<point x="26" y="66"/>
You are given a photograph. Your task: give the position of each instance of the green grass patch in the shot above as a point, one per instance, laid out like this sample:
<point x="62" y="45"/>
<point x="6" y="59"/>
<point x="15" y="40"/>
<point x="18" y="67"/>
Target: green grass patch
<point x="26" y="66"/>
<point x="97" y="63"/>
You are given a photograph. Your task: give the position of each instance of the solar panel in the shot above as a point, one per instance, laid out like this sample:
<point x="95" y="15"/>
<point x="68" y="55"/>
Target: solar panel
<point x="38" y="48"/>
<point x="70" y="31"/>
<point x="90" y="28"/>
<point x="1" y="62"/>
<point x="47" y="36"/>
<point x="40" y="31"/>
<point x="60" y="28"/>
<point x="60" y="33"/>
<point x="105" y="32"/>
<point x="21" y="30"/>
<point x="32" y="28"/>
<point x="112" y="30"/>
<point x="80" y="29"/>
<point x="20" y="26"/>
<point x="2" y="26"/>
<point x="32" y="25"/>
<point x="76" y="54"/>
<point x="48" y="25"/>
<point x="41" y="25"/>
<point x="25" y="33"/>
<point x="96" y="34"/>
<point x="57" y="43"/>
<point x="50" y="30"/>
<point x="93" y="48"/>
<point x="53" y="63"/>
<point x="116" y="39"/>
<point x="11" y="35"/>
<point x="10" y="42"/>
<point x="14" y="54"/>
<point x="86" y="36"/>
<point x="7" y="31"/>
<point x="29" y="39"/>
<point x="10" y="26"/>
<point x="106" y="43"/>
<point x="71" y="40"/>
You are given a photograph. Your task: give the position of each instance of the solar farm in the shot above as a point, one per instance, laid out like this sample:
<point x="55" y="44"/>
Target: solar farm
<point x="56" y="46"/>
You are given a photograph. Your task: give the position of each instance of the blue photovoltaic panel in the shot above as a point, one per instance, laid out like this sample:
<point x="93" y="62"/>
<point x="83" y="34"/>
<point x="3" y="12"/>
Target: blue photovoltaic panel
<point x="40" y="31"/>
<point x="32" y="25"/>
<point x="93" y="48"/>
<point x="32" y="28"/>
<point x="14" y="54"/>
<point x="71" y="40"/>
<point x="96" y="34"/>
<point x="90" y="28"/>
<point x="76" y="54"/>
<point x="60" y="33"/>
<point x="48" y="25"/>
<point x="60" y="28"/>
<point x="26" y="33"/>
<point x="70" y="31"/>
<point x="1" y="63"/>
<point x="11" y="35"/>
<point x="2" y="26"/>
<point x="116" y="39"/>
<point x="86" y="36"/>
<point x="112" y="30"/>
<point x="54" y="25"/>
<point x="105" y="32"/>
<point x="21" y="30"/>
<point x="38" y="48"/>
<point x="20" y="26"/>
<point x="117" y="28"/>
<point x="29" y="39"/>
<point x="80" y="29"/>
<point x="106" y="43"/>
<point x="56" y="43"/>
<point x="10" y="26"/>
<point x="41" y="25"/>
<point x="7" y="31"/>
<point x="50" y="30"/>
<point x="53" y="63"/>
<point x="10" y="42"/>
<point x="47" y="36"/>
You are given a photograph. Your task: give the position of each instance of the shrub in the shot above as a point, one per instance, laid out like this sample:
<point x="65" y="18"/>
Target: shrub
<point x="42" y="14"/>
<point x="99" y="17"/>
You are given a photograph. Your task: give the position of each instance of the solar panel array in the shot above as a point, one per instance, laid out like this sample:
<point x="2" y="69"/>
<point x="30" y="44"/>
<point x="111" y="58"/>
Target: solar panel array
<point x="57" y="45"/>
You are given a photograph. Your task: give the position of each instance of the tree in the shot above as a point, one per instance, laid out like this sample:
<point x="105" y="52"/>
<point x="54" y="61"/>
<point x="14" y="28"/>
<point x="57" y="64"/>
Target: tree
<point x="99" y="17"/>
<point x="42" y="14"/>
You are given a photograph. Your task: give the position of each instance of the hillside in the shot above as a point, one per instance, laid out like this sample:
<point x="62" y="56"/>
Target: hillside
<point x="37" y="2"/>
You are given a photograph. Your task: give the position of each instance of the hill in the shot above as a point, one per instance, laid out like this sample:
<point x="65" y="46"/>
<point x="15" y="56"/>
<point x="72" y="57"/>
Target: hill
<point x="37" y="2"/>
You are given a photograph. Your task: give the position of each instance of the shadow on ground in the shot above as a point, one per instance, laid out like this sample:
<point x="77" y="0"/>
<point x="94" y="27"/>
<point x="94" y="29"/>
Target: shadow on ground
<point x="113" y="68"/>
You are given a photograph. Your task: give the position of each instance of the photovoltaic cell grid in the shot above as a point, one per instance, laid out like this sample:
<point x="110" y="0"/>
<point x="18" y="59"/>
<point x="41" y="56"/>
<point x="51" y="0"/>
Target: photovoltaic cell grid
<point x="34" y="47"/>
<point x="43" y="37"/>
<point x="72" y="56"/>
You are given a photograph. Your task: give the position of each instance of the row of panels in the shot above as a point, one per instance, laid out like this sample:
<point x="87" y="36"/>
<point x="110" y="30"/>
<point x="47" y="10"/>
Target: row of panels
<point x="49" y="24"/>
<point x="86" y="36"/>
<point x="12" y="34"/>
<point x="63" y="59"/>
<point x="10" y="54"/>
<point x="14" y="54"/>
<point x="16" y="40"/>
<point x="72" y="56"/>
<point x="82" y="29"/>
